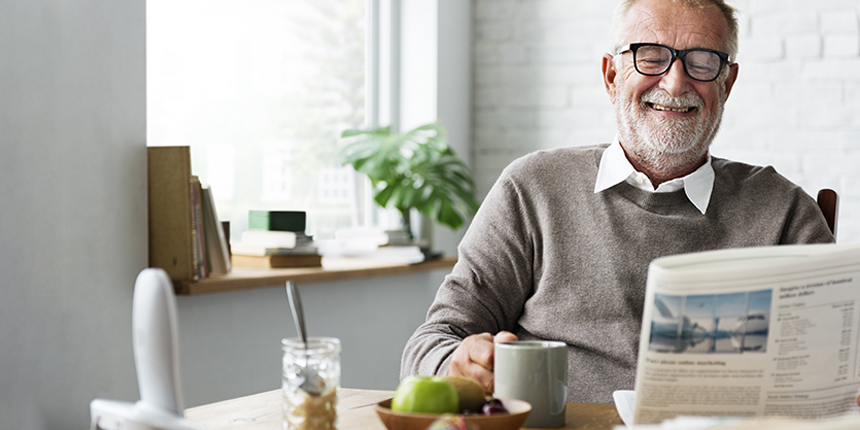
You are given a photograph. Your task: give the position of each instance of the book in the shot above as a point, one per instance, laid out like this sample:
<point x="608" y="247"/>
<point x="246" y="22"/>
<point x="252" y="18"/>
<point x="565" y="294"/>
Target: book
<point x="277" y="261"/>
<point x="269" y="239"/>
<point x="217" y="253"/>
<point x="225" y="226"/>
<point x="197" y="234"/>
<point x="169" y="211"/>
<point x="372" y="237"/>
<point x="304" y="245"/>
<point x="259" y="251"/>
<point x="753" y="332"/>
<point x="277" y="220"/>
<point x="399" y="238"/>
<point x="392" y="254"/>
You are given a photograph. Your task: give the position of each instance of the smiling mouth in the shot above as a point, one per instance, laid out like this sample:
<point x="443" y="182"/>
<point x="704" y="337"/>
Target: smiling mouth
<point x="670" y="109"/>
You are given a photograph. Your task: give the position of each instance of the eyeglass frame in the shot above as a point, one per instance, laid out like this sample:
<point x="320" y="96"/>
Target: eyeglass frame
<point x="676" y="53"/>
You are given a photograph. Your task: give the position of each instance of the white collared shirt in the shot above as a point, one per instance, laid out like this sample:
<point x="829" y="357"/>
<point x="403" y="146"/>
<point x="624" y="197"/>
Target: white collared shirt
<point x="615" y="168"/>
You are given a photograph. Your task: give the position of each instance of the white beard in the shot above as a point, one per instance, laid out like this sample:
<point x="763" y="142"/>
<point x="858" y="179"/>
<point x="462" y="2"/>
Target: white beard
<point x="666" y="146"/>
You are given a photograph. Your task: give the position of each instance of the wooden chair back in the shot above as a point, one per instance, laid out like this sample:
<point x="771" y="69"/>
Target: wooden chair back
<point x="828" y="201"/>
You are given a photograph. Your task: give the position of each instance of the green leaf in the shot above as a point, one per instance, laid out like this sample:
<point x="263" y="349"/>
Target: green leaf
<point x="415" y="169"/>
<point x="448" y="216"/>
<point x="355" y="132"/>
<point x="350" y="133"/>
<point x="381" y="197"/>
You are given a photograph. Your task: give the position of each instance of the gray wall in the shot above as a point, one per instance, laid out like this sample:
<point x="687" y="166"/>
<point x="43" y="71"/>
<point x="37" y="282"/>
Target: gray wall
<point x="73" y="199"/>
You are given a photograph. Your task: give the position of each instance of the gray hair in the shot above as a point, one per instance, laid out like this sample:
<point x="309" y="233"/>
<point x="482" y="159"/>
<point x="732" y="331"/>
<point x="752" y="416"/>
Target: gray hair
<point x="619" y="30"/>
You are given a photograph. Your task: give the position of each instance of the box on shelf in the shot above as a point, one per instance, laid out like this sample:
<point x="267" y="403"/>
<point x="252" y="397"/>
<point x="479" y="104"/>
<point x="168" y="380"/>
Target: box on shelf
<point x="295" y="221"/>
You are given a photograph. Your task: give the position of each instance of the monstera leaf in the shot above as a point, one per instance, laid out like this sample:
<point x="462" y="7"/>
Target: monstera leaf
<point x="416" y="169"/>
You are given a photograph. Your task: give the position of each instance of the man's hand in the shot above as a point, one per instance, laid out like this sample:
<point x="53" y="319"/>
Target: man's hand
<point x="474" y="357"/>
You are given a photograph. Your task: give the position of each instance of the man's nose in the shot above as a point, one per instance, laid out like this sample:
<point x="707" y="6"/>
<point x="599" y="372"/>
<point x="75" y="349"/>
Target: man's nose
<point x="675" y="81"/>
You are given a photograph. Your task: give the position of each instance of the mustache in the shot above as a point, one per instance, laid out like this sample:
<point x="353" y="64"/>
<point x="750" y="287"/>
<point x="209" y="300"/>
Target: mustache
<point x="661" y="97"/>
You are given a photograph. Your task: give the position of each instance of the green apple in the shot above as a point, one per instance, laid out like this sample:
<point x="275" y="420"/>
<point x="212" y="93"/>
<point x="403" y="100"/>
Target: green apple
<point x="427" y="394"/>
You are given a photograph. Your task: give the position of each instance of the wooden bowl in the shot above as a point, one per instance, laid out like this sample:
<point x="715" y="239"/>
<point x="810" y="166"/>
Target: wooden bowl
<point x="518" y="411"/>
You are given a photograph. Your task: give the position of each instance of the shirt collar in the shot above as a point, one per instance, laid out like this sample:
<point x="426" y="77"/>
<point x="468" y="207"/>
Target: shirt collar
<point x="615" y="168"/>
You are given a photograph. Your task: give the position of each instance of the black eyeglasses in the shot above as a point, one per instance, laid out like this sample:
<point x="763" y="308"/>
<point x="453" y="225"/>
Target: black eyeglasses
<point x="651" y="59"/>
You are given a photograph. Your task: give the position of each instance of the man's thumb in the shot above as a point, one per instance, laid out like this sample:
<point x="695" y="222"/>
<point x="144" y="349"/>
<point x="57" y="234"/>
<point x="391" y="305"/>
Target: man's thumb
<point x="504" y="336"/>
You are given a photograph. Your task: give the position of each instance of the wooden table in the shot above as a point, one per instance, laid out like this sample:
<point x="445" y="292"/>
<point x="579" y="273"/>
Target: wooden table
<point x="356" y="408"/>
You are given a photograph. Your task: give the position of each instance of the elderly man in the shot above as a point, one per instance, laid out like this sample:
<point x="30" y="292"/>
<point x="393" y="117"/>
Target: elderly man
<point x="561" y="245"/>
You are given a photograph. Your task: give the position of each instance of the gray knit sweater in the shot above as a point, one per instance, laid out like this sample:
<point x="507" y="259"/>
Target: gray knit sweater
<point x="547" y="258"/>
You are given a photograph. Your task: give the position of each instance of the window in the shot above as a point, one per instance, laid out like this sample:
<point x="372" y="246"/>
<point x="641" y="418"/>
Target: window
<point x="261" y="90"/>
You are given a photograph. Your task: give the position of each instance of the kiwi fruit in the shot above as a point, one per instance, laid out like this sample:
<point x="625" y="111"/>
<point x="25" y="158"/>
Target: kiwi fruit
<point x="470" y="392"/>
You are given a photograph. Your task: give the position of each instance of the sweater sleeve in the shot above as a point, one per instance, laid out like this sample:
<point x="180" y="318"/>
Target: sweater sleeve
<point x="805" y="223"/>
<point x="487" y="288"/>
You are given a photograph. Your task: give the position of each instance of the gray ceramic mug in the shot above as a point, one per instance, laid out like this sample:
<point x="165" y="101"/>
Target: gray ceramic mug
<point x="534" y="371"/>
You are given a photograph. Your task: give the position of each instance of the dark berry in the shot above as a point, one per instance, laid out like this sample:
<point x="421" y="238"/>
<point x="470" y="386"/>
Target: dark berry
<point x="493" y="407"/>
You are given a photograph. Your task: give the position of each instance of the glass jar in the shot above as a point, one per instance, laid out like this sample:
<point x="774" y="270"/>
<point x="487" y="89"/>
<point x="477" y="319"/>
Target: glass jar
<point x="310" y="380"/>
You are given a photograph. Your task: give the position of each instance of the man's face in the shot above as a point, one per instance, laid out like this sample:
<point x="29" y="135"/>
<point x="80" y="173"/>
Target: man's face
<point x="667" y="122"/>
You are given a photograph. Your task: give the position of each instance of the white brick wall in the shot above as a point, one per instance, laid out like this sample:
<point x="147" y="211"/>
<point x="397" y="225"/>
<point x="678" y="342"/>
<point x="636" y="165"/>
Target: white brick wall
<point x="796" y="104"/>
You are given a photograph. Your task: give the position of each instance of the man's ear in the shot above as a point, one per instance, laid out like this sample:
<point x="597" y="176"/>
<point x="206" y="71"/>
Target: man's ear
<point x="730" y="80"/>
<point x="609" y="74"/>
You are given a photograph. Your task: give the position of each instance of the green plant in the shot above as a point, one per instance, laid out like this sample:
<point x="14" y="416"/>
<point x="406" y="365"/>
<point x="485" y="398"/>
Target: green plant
<point x="415" y="169"/>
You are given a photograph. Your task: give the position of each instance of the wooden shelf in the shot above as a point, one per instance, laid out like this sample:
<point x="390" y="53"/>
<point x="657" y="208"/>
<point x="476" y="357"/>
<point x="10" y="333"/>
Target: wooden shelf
<point x="333" y="269"/>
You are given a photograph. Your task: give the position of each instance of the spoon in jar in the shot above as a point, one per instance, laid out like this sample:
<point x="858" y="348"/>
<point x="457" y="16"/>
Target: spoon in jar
<point x="311" y="383"/>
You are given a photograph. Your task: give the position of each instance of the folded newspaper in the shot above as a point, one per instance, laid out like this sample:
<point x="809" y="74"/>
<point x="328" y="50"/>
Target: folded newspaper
<point x="753" y="332"/>
<point x="765" y="423"/>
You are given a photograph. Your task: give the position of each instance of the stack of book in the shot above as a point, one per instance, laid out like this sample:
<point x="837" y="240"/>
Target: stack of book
<point x="186" y="238"/>
<point x="276" y="239"/>
<point x="393" y="246"/>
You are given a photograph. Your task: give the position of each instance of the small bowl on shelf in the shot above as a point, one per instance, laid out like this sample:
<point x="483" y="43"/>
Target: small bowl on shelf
<point x="518" y="411"/>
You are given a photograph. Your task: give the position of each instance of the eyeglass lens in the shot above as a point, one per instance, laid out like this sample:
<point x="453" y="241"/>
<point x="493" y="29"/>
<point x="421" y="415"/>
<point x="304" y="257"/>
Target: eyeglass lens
<point x="656" y="60"/>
